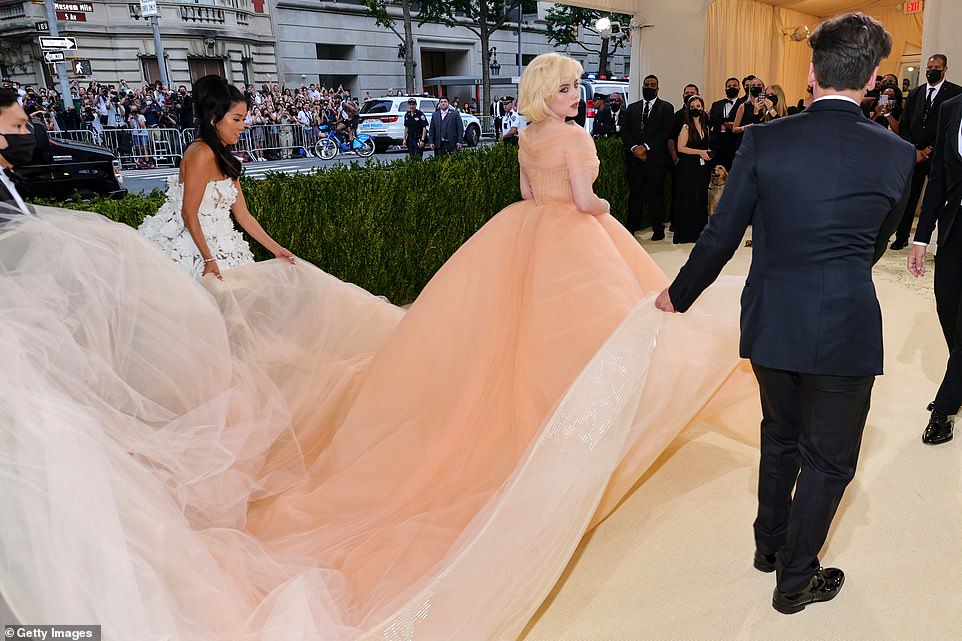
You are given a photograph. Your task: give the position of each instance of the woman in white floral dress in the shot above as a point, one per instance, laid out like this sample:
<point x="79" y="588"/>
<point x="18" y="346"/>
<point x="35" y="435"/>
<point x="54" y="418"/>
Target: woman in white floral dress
<point x="193" y="225"/>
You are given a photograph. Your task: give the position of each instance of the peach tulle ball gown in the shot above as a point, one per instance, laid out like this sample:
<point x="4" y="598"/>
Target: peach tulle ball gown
<point x="282" y="456"/>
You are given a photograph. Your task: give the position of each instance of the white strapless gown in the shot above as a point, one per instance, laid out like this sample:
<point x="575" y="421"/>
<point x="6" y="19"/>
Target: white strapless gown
<point x="166" y="228"/>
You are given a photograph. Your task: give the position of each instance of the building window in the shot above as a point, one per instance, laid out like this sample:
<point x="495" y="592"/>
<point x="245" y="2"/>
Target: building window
<point x="334" y="51"/>
<point x="246" y="71"/>
<point x="200" y="67"/>
<point x="526" y="59"/>
<point x="150" y="68"/>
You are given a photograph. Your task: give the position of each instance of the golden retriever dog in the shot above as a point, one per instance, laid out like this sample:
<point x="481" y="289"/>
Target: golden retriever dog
<point x="719" y="176"/>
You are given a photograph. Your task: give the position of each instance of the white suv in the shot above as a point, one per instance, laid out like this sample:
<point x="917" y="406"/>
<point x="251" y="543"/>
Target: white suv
<point x="594" y="84"/>
<point x="383" y="120"/>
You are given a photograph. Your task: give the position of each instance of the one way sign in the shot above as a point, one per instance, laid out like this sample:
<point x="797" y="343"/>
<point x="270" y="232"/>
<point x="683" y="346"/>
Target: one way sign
<point x="51" y="57"/>
<point x="47" y="42"/>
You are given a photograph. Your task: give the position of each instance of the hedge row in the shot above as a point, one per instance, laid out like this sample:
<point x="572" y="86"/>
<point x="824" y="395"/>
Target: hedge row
<point x="386" y="227"/>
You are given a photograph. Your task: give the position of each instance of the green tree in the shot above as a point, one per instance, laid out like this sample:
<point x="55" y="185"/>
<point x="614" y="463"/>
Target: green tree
<point x="481" y="17"/>
<point x="378" y="9"/>
<point x="565" y="23"/>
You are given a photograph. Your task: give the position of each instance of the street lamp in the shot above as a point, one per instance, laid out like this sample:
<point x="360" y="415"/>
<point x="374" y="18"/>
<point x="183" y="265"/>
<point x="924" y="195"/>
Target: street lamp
<point x="603" y="26"/>
<point x="493" y="64"/>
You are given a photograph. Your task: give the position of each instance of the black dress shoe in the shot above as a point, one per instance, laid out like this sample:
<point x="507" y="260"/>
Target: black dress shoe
<point x="764" y="562"/>
<point x="658" y="233"/>
<point x="897" y="245"/>
<point x="939" y="429"/>
<point x="824" y="586"/>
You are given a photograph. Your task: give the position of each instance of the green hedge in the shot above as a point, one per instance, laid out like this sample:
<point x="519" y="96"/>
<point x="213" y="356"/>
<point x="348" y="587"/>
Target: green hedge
<point x="386" y="227"/>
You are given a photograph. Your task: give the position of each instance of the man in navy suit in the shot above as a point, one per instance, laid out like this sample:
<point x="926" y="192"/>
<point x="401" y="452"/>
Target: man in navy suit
<point x="446" y="134"/>
<point x="822" y="209"/>
<point x="943" y="198"/>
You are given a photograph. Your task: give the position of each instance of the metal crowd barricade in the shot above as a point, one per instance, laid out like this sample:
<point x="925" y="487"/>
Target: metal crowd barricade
<point x="271" y="142"/>
<point x="152" y="147"/>
<point x="75" y="135"/>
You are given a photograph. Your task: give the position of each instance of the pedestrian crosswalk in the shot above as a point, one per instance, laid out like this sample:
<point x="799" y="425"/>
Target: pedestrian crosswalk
<point x="251" y="170"/>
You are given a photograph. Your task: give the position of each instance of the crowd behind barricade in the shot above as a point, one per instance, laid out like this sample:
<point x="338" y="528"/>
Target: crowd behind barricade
<point x="149" y="123"/>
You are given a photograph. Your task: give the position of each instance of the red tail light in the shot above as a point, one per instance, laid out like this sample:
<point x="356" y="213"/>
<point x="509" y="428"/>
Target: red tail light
<point x="389" y="119"/>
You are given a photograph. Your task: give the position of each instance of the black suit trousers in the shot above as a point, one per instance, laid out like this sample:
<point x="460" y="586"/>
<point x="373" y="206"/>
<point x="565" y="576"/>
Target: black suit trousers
<point x="646" y="185"/>
<point x="810" y="437"/>
<point x="948" y="298"/>
<point x="908" y="217"/>
<point x="445" y="148"/>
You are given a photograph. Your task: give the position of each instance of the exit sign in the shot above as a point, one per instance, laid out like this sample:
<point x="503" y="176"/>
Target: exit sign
<point x="912" y="7"/>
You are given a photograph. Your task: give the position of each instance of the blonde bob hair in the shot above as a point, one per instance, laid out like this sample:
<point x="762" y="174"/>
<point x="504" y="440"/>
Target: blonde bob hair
<point x="540" y="81"/>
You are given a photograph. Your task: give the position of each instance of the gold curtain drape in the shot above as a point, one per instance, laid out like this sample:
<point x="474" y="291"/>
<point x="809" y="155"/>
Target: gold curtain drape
<point x="747" y="36"/>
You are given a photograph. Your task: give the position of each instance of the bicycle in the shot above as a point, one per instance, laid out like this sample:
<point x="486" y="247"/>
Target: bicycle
<point x="328" y="147"/>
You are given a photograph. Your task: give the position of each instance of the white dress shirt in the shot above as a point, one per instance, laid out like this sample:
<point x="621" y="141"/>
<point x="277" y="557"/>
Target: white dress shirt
<point x="5" y="179"/>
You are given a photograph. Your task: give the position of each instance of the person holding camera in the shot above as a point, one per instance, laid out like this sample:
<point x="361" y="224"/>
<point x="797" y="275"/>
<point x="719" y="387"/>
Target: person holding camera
<point x="888" y="108"/>
<point x="757" y="109"/>
<point x="692" y="173"/>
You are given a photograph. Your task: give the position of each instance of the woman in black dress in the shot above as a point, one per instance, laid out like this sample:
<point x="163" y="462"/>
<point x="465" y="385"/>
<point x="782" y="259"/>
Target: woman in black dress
<point x="692" y="174"/>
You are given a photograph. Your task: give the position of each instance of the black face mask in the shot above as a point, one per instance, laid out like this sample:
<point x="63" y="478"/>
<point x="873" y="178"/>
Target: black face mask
<point x="696" y="113"/>
<point x="732" y="92"/>
<point x="933" y="75"/>
<point x="19" y="148"/>
<point x="755" y="91"/>
<point x="773" y="98"/>
<point x="648" y="93"/>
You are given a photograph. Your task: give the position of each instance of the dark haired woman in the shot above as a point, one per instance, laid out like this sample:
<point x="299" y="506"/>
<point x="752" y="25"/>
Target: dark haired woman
<point x="692" y="174"/>
<point x="193" y="225"/>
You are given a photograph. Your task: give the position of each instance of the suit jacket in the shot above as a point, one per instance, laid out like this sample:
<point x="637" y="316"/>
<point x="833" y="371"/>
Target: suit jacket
<point x="943" y="196"/>
<point x="8" y="205"/>
<point x="717" y="114"/>
<point x="655" y="133"/>
<point x="822" y="209"/>
<point x="912" y="126"/>
<point x="450" y="128"/>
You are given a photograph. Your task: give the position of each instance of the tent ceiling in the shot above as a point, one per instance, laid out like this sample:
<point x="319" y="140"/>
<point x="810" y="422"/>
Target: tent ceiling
<point x="826" y="8"/>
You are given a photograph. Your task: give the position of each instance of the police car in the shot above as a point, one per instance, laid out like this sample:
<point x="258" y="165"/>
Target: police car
<point x="383" y="120"/>
<point x="593" y="84"/>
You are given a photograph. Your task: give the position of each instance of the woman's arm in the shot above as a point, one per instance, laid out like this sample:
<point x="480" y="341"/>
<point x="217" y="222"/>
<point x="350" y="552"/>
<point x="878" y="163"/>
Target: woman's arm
<point x="582" y="178"/>
<point x="739" y="116"/>
<point x="683" y="147"/>
<point x="196" y="168"/>
<point x="526" y="192"/>
<point x="247" y="221"/>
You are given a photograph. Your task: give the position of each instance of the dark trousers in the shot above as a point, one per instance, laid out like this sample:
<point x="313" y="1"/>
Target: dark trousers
<point x="415" y="149"/>
<point x="948" y="297"/>
<point x="646" y="185"/>
<point x="918" y="182"/>
<point x="446" y="147"/>
<point x="811" y="433"/>
<point x="497" y="127"/>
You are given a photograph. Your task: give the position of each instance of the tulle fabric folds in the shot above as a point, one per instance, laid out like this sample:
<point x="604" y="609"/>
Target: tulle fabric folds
<point x="283" y="456"/>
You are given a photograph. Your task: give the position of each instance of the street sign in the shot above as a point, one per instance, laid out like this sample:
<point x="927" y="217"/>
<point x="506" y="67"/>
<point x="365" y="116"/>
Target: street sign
<point x="46" y="42"/>
<point x="43" y="27"/>
<point x="71" y="17"/>
<point x="51" y="57"/>
<point x="912" y="7"/>
<point x="74" y="7"/>
<point x="148" y="8"/>
<point x="81" y="67"/>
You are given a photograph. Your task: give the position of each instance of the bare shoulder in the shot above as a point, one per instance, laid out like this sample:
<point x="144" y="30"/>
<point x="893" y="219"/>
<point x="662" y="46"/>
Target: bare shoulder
<point x="198" y="160"/>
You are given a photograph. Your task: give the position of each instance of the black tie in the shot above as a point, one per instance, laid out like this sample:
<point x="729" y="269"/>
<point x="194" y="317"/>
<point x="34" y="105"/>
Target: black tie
<point x="928" y="102"/>
<point x="644" y="114"/>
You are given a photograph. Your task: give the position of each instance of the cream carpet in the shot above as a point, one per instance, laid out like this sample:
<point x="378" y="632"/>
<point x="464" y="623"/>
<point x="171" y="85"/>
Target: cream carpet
<point x="674" y="561"/>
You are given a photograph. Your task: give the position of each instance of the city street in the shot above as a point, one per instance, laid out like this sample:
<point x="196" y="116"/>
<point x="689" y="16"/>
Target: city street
<point x="146" y="180"/>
